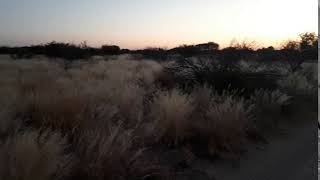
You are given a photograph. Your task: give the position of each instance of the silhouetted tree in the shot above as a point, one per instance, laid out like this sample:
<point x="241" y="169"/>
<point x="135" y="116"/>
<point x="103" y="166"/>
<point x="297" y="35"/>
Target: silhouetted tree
<point x="308" y="41"/>
<point x="65" y="50"/>
<point x="309" y="46"/>
<point x="291" y="45"/>
<point x="297" y="52"/>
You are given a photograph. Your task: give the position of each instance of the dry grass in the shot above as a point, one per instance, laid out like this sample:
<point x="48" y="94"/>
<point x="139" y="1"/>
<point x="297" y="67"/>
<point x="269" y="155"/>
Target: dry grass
<point x="172" y="114"/>
<point x="268" y="107"/>
<point x="109" y="111"/>
<point x="84" y="103"/>
<point x="34" y="155"/>
<point x="11" y="107"/>
<point x="102" y="155"/>
<point x="201" y="98"/>
<point x="64" y="100"/>
<point x="295" y="83"/>
<point x="225" y="126"/>
<point x="110" y="154"/>
<point x="68" y="101"/>
<point x="269" y="102"/>
<point x="302" y="82"/>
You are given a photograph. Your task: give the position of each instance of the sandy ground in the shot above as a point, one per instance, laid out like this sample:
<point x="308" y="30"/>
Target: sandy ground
<point x="291" y="155"/>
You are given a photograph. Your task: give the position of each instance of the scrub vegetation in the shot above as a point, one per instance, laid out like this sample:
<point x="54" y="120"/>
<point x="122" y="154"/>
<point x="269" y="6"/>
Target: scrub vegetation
<point x="119" y="116"/>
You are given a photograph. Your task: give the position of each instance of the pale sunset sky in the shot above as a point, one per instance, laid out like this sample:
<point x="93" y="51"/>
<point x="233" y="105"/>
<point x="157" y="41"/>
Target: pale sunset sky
<point x="151" y="23"/>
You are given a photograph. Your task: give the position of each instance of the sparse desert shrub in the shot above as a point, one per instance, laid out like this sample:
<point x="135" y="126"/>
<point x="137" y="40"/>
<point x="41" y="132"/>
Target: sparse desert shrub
<point x="32" y="155"/>
<point x="268" y="107"/>
<point x="225" y="126"/>
<point x="171" y="112"/>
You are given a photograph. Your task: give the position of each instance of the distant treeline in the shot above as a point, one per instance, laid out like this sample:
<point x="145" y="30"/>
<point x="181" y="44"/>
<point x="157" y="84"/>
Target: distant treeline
<point x="306" y="48"/>
<point x="62" y="50"/>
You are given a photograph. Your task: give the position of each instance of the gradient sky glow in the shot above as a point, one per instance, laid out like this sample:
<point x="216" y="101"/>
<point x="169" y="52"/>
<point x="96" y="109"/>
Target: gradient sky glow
<point x="166" y="23"/>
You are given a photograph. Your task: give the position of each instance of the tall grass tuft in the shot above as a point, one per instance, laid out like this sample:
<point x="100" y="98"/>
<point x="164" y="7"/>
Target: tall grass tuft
<point x="34" y="155"/>
<point x="171" y="112"/>
<point x="302" y="82"/>
<point x="110" y="154"/>
<point x="268" y="107"/>
<point x="225" y="126"/>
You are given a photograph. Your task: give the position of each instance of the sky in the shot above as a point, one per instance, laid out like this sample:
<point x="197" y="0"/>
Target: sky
<point x="153" y="23"/>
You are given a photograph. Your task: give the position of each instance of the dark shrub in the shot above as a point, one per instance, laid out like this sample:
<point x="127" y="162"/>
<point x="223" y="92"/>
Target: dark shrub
<point x="188" y="74"/>
<point x="125" y="51"/>
<point x="110" y="50"/>
<point x="267" y="54"/>
<point x="153" y="53"/>
<point x="5" y="50"/>
<point x="23" y="53"/>
<point x="186" y="50"/>
<point x="65" y="50"/>
<point x="210" y="46"/>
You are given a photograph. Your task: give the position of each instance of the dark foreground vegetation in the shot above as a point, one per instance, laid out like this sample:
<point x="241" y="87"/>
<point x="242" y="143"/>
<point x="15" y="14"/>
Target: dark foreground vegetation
<point x="129" y="117"/>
